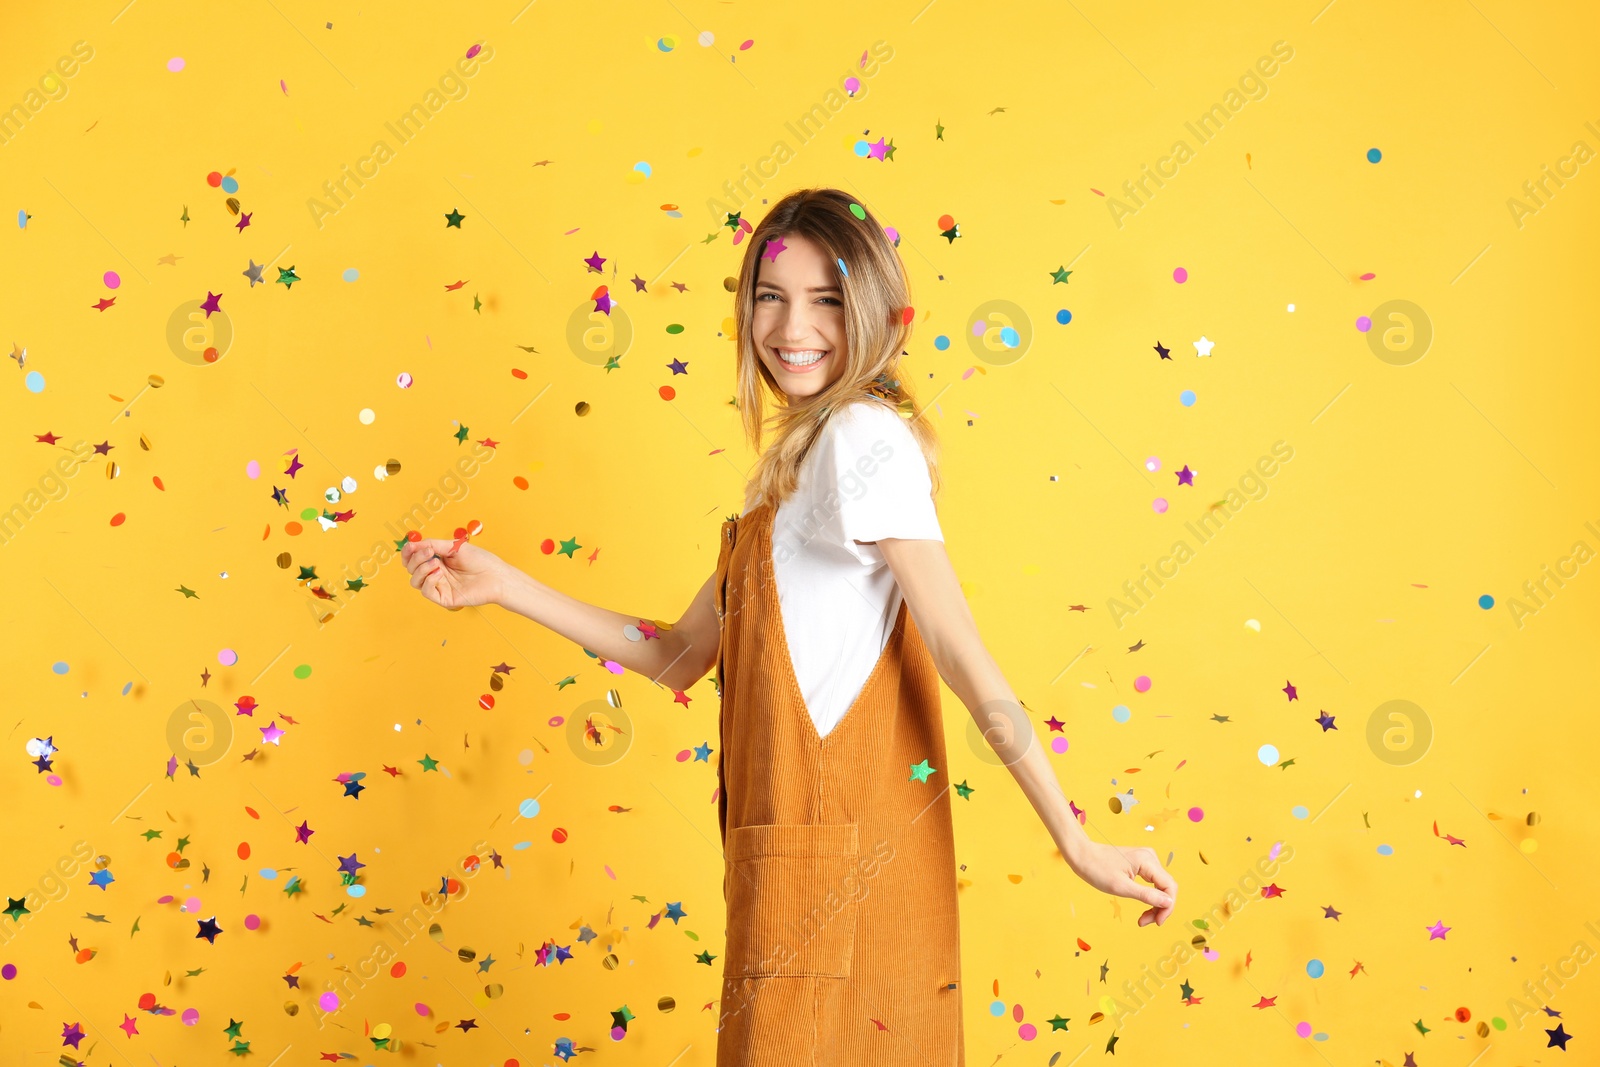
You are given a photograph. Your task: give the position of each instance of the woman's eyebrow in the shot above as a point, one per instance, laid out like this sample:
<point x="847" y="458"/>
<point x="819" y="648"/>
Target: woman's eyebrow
<point x="812" y="289"/>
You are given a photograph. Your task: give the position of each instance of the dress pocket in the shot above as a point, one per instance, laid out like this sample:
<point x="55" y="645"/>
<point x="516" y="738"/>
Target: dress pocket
<point x="791" y="910"/>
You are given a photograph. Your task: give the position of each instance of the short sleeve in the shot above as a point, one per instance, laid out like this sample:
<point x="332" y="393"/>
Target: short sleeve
<point x="870" y="458"/>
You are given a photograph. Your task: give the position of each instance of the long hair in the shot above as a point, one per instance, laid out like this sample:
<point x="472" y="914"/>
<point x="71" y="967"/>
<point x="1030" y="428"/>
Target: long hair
<point x="875" y="297"/>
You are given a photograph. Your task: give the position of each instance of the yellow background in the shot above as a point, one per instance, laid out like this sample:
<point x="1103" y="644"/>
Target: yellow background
<point x="1413" y="490"/>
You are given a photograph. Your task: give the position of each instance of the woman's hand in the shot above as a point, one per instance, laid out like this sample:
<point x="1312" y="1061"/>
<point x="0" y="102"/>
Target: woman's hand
<point x="452" y="575"/>
<point x="1113" y="869"/>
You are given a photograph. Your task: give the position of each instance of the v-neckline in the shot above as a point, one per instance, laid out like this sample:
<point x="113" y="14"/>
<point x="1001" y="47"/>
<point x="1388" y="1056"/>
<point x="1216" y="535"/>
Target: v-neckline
<point x="764" y="550"/>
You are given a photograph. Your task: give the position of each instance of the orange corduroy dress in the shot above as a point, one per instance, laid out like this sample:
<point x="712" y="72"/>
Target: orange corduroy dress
<point x="843" y="936"/>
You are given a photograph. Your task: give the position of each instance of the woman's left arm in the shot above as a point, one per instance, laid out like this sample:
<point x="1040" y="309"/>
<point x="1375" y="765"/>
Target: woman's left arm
<point x="933" y="597"/>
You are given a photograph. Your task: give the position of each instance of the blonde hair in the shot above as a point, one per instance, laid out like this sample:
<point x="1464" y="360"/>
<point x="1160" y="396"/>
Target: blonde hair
<point x="875" y="293"/>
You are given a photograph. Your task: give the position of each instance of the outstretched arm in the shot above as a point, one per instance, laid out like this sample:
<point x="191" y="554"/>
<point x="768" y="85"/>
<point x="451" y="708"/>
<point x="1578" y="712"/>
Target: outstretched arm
<point x="455" y="576"/>
<point x="933" y="597"/>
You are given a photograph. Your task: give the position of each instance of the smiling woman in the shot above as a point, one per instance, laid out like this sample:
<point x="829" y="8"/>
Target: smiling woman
<point x="831" y="618"/>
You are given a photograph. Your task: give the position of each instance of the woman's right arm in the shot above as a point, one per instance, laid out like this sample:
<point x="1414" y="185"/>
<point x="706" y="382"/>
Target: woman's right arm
<point x="675" y="658"/>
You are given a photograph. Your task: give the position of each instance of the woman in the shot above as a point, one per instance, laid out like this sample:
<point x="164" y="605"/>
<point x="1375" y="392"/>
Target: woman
<point x="830" y="619"/>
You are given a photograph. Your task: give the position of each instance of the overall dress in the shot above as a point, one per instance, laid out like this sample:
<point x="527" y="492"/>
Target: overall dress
<point x="843" y="937"/>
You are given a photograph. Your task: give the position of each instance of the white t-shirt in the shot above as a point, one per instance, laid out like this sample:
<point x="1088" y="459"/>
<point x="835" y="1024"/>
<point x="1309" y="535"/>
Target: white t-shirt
<point x="865" y="478"/>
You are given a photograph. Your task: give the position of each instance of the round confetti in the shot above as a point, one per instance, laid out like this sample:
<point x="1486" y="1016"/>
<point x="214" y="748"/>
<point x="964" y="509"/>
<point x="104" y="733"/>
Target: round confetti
<point x="1364" y="324"/>
<point x="1300" y="811"/>
<point x="1373" y="155"/>
<point x="9" y="971"/>
<point x="252" y="469"/>
<point x="403" y="380"/>
<point x="230" y="184"/>
<point x="1196" y="814"/>
<point x="1152" y="464"/>
<point x="214" y="179"/>
<point x="528" y="808"/>
<point x="1252" y="624"/>
<point x="1385" y="850"/>
<point x="1160" y="505"/>
<point x="1291" y="309"/>
<point x="190" y="1016"/>
<point x="997" y="1008"/>
<point x="1027" y="1031"/>
<point x="558" y="835"/>
<point x="350" y="274"/>
<point x="842" y="268"/>
<point x="33" y="381"/>
<point x="1304" y="1028"/>
<point x="1187" y="398"/>
<point x="112" y="279"/>
<point x="1063" y="316"/>
<point x="1180" y="275"/>
<point x="941" y="342"/>
<point x="1486" y="602"/>
<point x="1315" y="969"/>
<point x="1142" y="683"/>
<point x="303" y="671"/>
<point x="1121" y="713"/>
<point x="667" y="392"/>
<point x="328" y="1001"/>
<point x="1267" y="754"/>
<point x="227" y="657"/>
<point x="1058" y="745"/>
<point x="59" y="667"/>
<point x="175" y="64"/>
<point x="356" y="890"/>
<point x="367" y="416"/>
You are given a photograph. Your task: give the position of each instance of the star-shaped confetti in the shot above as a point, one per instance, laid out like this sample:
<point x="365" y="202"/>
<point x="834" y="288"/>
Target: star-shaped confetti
<point x="209" y="929"/>
<point x="921" y="771"/>
<point x="453" y="219"/>
<point x="1437" y="931"/>
<point x="1203" y="347"/>
<point x="287" y="277"/>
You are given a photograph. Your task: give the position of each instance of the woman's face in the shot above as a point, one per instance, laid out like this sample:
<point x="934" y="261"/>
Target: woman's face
<point x="799" y="316"/>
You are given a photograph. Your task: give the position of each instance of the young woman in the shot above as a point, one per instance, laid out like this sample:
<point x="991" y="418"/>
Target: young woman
<point x="831" y="617"/>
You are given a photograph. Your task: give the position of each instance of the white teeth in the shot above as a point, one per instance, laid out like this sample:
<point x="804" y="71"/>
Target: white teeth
<point x="801" y="359"/>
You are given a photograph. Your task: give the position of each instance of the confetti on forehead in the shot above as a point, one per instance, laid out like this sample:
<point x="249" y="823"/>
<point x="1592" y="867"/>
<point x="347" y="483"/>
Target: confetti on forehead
<point x="842" y="268"/>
